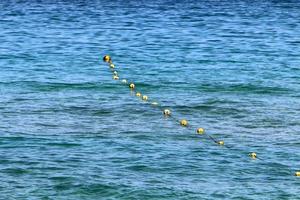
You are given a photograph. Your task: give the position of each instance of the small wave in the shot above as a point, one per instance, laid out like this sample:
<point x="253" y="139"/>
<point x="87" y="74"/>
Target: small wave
<point x="245" y="88"/>
<point x="56" y="86"/>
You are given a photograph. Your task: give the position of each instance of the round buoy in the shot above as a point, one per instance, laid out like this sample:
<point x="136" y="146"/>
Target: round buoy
<point x="115" y="73"/>
<point x="124" y="81"/>
<point x="200" y="131"/>
<point x="221" y="142"/>
<point x="154" y="103"/>
<point x="167" y="112"/>
<point x="131" y="85"/>
<point x="183" y="122"/>
<point x="145" y="98"/>
<point x="112" y="66"/>
<point x="253" y="155"/>
<point x="107" y="58"/>
<point x="116" y="77"/>
<point x="297" y="173"/>
<point x="138" y="94"/>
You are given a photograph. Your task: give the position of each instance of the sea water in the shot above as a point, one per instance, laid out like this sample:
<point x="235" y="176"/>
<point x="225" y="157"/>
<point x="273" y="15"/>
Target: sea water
<point x="69" y="131"/>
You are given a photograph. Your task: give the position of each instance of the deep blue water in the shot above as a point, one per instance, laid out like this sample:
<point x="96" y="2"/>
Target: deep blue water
<point x="68" y="131"/>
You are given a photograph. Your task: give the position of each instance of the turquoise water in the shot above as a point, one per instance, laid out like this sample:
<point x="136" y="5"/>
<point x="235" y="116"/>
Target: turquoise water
<point x="68" y="131"/>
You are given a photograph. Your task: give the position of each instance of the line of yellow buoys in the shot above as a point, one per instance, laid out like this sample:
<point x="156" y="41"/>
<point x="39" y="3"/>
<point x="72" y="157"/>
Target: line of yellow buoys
<point x="167" y="112"/>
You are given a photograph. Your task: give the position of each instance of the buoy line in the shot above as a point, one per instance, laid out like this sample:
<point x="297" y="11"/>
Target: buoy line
<point x="183" y="122"/>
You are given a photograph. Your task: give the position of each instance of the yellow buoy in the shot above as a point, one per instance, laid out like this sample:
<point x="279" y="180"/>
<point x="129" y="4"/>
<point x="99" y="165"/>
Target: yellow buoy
<point x="131" y="85"/>
<point x="107" y="58"/>
<point x="112" y="66"/>
<point x="200" y="131"/>
<point x="167" y="112"/>
<point x="145" y="98"/>
<point x="183" y="122"/>
<point x="116" y="77"/>
<point x="154" y="103"/>
<point x="253" y="155"/>
<point x="124" y="81"/>
<point x="138" y="94"/>
<point x="221" y="142"/>
<point x="297" y="173"/>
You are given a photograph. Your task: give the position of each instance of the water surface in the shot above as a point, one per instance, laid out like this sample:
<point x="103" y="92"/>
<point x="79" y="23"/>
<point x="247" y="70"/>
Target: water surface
<point x="68" y="131"/>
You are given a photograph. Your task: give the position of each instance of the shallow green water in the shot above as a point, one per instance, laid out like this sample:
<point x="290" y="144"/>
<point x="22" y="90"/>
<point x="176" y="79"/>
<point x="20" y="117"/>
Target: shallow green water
<point x="68" y="131"/>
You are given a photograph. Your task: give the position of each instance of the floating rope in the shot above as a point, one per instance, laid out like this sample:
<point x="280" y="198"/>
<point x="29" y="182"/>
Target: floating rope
<point x="167" y="112"/>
